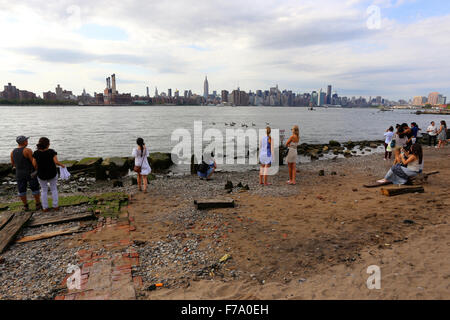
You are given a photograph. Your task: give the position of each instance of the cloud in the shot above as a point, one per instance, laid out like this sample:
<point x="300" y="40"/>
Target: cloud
<point x="301" y="45"/>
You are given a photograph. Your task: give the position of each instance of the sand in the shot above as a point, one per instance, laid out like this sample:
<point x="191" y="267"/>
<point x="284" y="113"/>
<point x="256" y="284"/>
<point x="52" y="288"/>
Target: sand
<point x="314" y="240"/>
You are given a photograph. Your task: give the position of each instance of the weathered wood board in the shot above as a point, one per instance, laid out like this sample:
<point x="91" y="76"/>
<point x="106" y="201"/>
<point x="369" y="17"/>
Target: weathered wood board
<point x="394" y="191"/>
<point x="47" y="235"/>
<point x="4" y="218"/>
<point x="9" y="231"/>
<point x="37" y="221"/>
<point x="214" y="203"/>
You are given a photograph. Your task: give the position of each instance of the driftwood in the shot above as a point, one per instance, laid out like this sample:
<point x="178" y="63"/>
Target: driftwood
<point x="9" y="231"/>
<point x="4" y="218"/>
<point x="47" y="235"/>
<point x="214" y="203"/>
<point x="37" y="221"/>
<point x="394" y="191"/>
<point x="421" y="178"/>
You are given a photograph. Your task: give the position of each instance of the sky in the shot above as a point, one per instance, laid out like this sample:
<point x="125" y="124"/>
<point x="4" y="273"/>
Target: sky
<point x="394" y="48"/>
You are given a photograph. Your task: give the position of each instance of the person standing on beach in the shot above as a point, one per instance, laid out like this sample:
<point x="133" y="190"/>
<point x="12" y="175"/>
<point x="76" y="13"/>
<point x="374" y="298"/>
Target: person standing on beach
<point x="415" y="131"/>
<point x="45" y="161"/>
<point x="265" y="157"/>
<point x="432" y="133"/>
<point x="291" y="158"/>
<point x="442" y="135"/>
<point x="388" y="136"/>
<point x="22" y="160"/>
<point x="141" y="165"/>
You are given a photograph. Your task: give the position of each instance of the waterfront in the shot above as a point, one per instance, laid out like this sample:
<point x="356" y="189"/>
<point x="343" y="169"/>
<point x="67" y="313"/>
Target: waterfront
<point x="77" y="132"/>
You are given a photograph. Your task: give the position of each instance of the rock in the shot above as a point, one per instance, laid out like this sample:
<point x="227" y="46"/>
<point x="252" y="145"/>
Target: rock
<point x="116" y="167"/>
<point x="160" y="161"/>
<point x="348" y="154"/>
<point x="5" y="169"/>
<point x="69" y="164"/>
<point x="321" y="173"/>
<point x="87" y="163"/>
<point x="325" y="149"/>
<point x="117" y="184"/>
<point x="408" y="222"/>
<point x="133" y="181"/>
<point x="239" y="185"/>
<point x="334" y="143"/>
<point x="350" y="145"/>
<point x="313" y="157"/>
<point x="229" y="185"/>
<point x="333" y="173"/>
<point x="373" y="145"/>
<point x="151" y="177"/>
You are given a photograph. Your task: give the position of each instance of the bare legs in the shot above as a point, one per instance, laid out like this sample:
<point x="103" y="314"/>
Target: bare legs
<point x="142" y="182"/>
<point x="263" y="173"/>
<point x="292" y="173"/>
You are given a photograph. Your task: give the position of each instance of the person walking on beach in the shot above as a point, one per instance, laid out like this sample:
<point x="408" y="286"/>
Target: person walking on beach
<point x="265" y="157"/>
<point x="415" y="131"/>
<point x="432" y="134"/>
<point x="22" y="160"/>
<point x="388" y="136"/>
<point x="442" y="135"/>
<point x="45" y="161"/>
<point x="141" y="165"/>
<point x="291" y="158"/>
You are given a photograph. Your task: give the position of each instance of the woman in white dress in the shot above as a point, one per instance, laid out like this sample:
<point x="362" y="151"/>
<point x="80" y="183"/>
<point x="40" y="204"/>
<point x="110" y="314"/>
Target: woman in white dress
<point x="265" y="157"/>
<point x="141" y="165"/>
<point x="291" y="158"/>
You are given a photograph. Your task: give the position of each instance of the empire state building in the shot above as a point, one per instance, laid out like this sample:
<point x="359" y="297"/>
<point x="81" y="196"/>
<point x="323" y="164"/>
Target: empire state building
<point x="206" y="88"/>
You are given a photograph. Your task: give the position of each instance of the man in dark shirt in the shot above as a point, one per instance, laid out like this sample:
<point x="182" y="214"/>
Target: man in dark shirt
<point x="21" y="159"/>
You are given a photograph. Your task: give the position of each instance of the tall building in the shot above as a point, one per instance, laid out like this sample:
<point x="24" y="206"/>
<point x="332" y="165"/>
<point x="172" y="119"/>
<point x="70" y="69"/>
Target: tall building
<point x="224" y="96"/>
<point x="419" y="101"/>
<point x="321" y="98"/>
<point x="433" y="98"/>
<point x="148" y="93"/>
<point x="206" y="88"/>
<point x="169" y="93"/>
<point x="329" y="94"/>
<point x="156" y="92"/>
<point x="442" y="99"/>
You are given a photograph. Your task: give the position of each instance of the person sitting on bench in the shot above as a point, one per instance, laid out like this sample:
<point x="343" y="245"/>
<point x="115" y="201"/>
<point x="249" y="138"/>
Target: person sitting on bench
<point x="411" y="164"/>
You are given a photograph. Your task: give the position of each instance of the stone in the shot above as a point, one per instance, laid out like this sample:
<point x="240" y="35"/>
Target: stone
<point x="5" y="169"/>
<point x="229" y="185"/>
<point x="117" y="184"/>
<point x="160" y="161"/>
<point x="321" y="173"/>
<point x="334" y="143"/>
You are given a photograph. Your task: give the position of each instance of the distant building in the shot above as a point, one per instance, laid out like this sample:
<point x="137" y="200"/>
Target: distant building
<point x="169" y="93"/>
<point x="49" y="96"/>
<point x="224" y="96"/>
<point x="419" y="101"/>
<point x="329" y="94"/>
<point x="206" y="88"/>
<point x="10" y="92"/>
<point x="239" y="98"/>
<point x="433" y="98"/>
<point x="111" y="96"/>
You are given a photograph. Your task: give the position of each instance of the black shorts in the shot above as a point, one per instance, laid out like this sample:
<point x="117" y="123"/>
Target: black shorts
<point x="23" y="183"/>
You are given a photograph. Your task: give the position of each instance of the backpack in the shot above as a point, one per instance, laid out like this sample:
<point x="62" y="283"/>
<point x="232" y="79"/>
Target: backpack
<point x="393" y="143"/>
<point x="203" y="167"/>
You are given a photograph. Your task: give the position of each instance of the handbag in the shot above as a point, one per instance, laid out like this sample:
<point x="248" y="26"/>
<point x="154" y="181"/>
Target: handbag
<point x="34" y="174"/>
<point x="393" y="143"/>
<point x="138" y="169"/>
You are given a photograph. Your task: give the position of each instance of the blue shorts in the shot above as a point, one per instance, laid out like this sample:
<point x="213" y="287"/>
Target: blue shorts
<point x="23" y="183"/>
<point x="205" y="175"/>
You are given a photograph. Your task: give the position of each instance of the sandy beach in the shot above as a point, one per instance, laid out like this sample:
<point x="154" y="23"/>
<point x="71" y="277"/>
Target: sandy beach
<point x="314" y="240"/>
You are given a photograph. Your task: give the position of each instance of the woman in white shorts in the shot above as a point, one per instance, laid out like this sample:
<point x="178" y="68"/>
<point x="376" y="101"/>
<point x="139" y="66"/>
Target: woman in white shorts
<point x="141" y="165"/>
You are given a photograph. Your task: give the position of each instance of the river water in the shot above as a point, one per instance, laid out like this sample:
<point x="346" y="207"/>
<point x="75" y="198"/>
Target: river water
<point x="82" y="131"/>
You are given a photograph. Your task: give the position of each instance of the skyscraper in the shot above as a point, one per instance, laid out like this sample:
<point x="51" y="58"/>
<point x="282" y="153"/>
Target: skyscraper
<point x="433" y="98"/>
<point x="206" y="88"/>
<point x="329" y="94"/>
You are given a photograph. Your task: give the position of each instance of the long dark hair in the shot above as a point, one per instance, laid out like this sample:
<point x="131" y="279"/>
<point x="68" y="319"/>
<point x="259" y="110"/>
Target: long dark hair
<point x="43" y="143"/>
<point x="141" y="144"/>
<point x="444" y="124"/>
<point x="416" y="149"/>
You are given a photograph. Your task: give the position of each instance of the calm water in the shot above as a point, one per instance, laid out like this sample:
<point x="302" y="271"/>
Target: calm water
<point x="77" y="132"/>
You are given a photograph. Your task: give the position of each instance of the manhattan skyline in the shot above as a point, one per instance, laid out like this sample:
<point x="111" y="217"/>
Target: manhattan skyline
<point x="301" y="45"/>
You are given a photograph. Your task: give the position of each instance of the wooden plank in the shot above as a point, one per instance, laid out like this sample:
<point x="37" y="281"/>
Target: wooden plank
<point x="4" y="218"/>
<point x="38" y="221"/>
<point x="214" y="203"/>
<point x="377" y="184"/>
<point x="9" y="231"/>
<point x="50" y="234"/>
<point x="401" y="190"/>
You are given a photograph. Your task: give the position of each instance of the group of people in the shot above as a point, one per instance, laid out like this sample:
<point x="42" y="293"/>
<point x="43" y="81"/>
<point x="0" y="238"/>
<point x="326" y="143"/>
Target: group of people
<point x="36" y="170"/>
<point x="408" y="153"/>
<point x="266" y="155"/>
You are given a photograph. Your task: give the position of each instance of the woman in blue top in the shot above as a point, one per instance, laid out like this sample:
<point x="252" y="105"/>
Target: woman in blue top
<point x="207" y="167"/>
<point x="265" y="157"/>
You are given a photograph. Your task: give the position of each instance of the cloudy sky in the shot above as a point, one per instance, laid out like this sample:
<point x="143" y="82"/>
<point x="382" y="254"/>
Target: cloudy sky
<point x="301" y="45"/>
